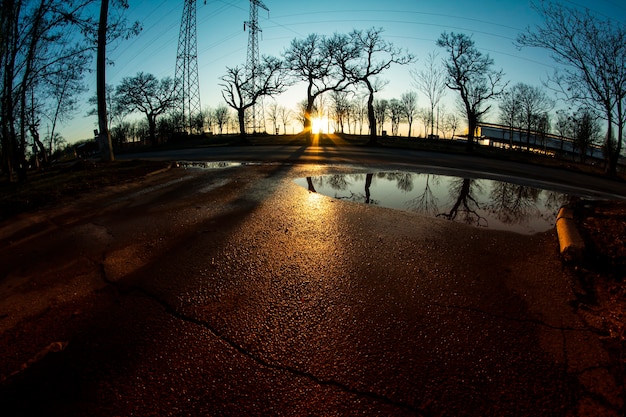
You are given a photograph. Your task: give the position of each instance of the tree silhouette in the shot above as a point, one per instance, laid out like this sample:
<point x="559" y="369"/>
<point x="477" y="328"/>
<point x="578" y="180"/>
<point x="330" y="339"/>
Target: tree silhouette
<point x="432" y="82"/>
<point x="592" y="54"/>
<point x="409" y="108"/>
<point x="375" y="56"/>
<point x="145" y="94"/>
<point x="470" y="73"/>
<point x="319" y="62"/>
<point x="464" y="189"/>
<point x="426" y="202"/>
<point x="242" y="89"/>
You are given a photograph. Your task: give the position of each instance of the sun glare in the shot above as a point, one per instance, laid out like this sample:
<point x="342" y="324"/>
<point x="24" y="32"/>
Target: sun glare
<point x="321" y="125"/>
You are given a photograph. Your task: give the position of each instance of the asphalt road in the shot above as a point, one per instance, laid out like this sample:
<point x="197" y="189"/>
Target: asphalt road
<point x="402" y="159"/>
<point x="236" y="292"/>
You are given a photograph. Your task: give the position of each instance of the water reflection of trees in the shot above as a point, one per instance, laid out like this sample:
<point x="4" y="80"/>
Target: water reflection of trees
<point x="464" y="192"/>
<point x="553" y="201"/>
<point x="425" y="202"/>
<point x="366" y="195"/>
<point x="403" y="180"/>
<point x="342" y="182"/>
<point x="472" y="201"/>
<point x="513" y="203"/>
<point x="337" y="182"/>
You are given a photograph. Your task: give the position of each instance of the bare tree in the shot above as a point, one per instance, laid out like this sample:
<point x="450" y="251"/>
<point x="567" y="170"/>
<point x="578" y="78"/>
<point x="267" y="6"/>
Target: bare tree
<point x="319" y="62"/>
<point x="273" y="116"/>
<point x="510" y="111"/>
<point x="63" y="86"/>
<point x="425" y="116"/>
<point x="432" y="82"/>
<point x="240" y="91"/>
<point x="533" y="103"/>
<point x="409" y="108"/>
<point x="37" y="37"/>
<point x="221" y="116"/>
<point x="107" y="32"/>
<point x="396" y="115"/>
<point x="301" y="112"/>
<point x="209" y="118"/>
<point x="145" y="94"/>
<point x="381" y="110"/>
<point x="285" y="116"/>
<point x="376" y="56"/>
<point x="341" y="108"/>
<point x="360" y="114"/>
<point x="593" y="56"/>
<point x="470" y="73"/>
<point x="585" y="129"/>
<point x="452" y="123"/>
<point x="563" y="126"/>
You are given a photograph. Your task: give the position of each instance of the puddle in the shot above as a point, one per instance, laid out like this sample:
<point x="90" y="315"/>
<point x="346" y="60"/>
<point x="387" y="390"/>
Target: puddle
<point x="486" y="203"/>
<point x="208" y="165"/>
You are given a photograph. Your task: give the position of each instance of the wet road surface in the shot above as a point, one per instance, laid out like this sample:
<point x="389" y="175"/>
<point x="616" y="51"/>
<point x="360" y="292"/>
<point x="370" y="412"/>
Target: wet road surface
<point x="236" y="292"/>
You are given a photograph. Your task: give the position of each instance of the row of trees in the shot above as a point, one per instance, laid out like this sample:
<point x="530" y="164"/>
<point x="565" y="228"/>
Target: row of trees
<point x="48" y="44"/>
<point x="46" y="47"/>
<point x="336" y="64"/>
<point x="592" y="57"/>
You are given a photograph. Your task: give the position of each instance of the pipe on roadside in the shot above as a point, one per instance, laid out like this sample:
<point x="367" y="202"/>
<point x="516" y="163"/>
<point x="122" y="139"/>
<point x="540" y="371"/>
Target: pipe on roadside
<point x="571" y="243"/>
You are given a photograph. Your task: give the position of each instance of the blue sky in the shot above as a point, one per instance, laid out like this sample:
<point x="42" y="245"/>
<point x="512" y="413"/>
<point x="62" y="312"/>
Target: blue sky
<point x="411" y="24"/>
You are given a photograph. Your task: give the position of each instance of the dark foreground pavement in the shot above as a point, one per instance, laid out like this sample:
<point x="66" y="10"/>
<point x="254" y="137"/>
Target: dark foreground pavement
<point x="236" y="292"/>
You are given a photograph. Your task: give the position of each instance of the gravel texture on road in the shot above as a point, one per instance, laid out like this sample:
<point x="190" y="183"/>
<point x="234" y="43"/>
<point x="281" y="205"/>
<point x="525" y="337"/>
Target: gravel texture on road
<point x="236" y="292"/>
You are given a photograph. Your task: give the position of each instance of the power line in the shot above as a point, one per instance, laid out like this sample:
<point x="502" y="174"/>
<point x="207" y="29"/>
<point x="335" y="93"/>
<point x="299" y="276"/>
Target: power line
<point x="252" y="61"/>
<point x="187" y="83"/>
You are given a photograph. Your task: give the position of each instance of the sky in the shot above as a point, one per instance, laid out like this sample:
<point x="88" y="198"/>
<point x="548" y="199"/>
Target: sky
<point x="414" y="25"/>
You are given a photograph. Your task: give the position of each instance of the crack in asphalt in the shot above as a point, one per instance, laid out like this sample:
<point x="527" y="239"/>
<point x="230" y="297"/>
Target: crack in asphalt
<point x="123" y="289"/>
<point x="279" y="367"/>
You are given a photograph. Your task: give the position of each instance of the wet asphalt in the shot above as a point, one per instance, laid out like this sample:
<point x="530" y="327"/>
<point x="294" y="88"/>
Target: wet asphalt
<point x="236" y="292"/>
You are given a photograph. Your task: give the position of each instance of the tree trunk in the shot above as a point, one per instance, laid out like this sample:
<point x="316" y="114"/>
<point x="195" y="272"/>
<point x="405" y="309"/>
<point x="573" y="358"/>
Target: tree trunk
<point x="614" y="151"/>
<point x="9" y="30"/>
<point x="432" y="120"/>
<point x="104" y="137"/>
<point x="471" y="130"/>
<point x="308" y="124"/>
<point x="368" y="184"/>
<point x="152" y="129"/>
<point x="371" y="116"/>
<point x="611" y="161"/>
<point x="241" y="116"/>
<point x="620" y="132"/>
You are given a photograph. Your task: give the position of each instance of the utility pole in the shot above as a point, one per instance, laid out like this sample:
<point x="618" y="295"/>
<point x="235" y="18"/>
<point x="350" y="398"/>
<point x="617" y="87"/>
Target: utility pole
<point x="186" y="76"/>
<point x="252" y="61"/>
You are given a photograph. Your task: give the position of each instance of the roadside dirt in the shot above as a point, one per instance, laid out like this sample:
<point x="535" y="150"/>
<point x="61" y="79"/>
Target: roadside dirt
<point x="602" y="274"/>
<point x="67" y="182"/>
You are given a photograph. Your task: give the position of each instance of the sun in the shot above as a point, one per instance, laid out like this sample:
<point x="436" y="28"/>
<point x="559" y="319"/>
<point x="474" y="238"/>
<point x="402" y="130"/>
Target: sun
<point x="321" y="125"/>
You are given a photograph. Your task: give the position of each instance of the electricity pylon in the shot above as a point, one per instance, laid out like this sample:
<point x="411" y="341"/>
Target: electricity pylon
<point x="186" y="76"/>
<point x="252" y="62"/>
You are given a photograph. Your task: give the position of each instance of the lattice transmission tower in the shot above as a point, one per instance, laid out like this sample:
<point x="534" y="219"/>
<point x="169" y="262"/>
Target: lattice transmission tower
<point x="257" y="116"/>
<point x="186" y="75"/>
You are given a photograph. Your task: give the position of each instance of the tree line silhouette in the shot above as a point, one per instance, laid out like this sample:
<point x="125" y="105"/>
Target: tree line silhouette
<point x="48" y="45"/>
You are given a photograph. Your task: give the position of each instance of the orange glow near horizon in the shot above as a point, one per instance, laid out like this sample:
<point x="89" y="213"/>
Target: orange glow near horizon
<point x="321" y="125"/>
